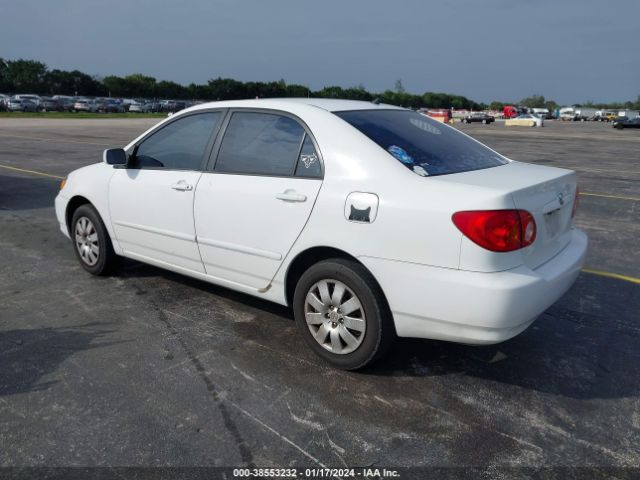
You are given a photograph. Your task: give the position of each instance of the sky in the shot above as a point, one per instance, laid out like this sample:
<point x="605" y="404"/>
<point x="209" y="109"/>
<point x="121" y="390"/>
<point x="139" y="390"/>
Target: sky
<point x="570" y="51"/>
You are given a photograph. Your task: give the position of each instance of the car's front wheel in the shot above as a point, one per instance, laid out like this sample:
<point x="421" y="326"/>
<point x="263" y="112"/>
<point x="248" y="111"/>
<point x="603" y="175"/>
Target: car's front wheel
<point x="342" y="314"/>
<point x="91" y="241"/>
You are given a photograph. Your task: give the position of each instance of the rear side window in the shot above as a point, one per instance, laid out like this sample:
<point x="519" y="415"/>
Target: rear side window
<point x="180" y="145"/>
<point x="425" y="146"/>
<point x="308" y="160"/>
<point x="260" y="144"/>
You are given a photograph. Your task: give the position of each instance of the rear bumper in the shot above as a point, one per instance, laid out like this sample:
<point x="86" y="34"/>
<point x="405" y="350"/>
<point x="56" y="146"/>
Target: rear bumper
<point x="474" y="307"/>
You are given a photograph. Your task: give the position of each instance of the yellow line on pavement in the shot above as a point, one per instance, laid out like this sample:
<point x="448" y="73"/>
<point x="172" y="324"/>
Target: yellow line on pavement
<point x="618" y="197"/>
<point x="602" y="273"/>
<point x="33" y="172"/>
<point x="55" y="140"/>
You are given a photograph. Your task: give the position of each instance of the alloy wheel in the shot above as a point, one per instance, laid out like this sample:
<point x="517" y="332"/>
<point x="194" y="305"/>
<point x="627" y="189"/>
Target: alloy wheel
<point x="335" y="316"/>
<point x="87" y="244"/>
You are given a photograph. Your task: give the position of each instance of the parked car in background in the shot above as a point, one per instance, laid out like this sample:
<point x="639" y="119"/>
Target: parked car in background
<point x="31" y="97"/>
<point x="385" y="218"/>
<point x="173" y="106"/>
<point x="525" y="120"/>
<point x="48" y="104"/>
<point x="100" y="104"/>
<point x="3" y="102"/>
<point x="140" y="107"/>
<point x="626" y="122"/>
<point x="605" y="116"/>
<point x="65" y="102"/>
<point x="21" y="105"/>
<point x="478" y="117"/>
<point x="113" y="106"/>
<point x="154" y="106"/>
<point x="85" y="105"/>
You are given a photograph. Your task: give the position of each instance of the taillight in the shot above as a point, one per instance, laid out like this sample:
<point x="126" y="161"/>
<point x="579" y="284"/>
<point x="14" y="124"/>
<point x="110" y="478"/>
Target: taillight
<point x="575" y="202"/>
<point x="497" y="230"/>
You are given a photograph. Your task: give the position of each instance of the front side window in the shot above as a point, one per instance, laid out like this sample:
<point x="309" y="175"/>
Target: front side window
<point x="425" y="146"/>
<point x="260" y="144"/>
<point x="178" y="146"/>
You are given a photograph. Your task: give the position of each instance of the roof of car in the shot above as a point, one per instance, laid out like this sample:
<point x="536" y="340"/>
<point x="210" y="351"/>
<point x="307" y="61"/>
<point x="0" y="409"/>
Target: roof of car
<point x="329" y="104"/>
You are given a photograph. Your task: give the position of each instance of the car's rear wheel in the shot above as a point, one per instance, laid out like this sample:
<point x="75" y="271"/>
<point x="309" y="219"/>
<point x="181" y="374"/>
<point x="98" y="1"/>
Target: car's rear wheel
<point x="342" y="314"/>
<point x="91" y="241"/>
<point x="484" y="121"/>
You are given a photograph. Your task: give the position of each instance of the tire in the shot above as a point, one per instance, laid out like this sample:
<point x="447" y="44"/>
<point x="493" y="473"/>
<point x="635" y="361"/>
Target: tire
<point x="371" y="331"/>
<point x="484" y="122"/>
<point x="91" y="242"/>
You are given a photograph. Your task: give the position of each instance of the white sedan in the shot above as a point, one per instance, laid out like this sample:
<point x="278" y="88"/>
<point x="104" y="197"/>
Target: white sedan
<point x="369" y="220"/>
<point x="526" y="120"/>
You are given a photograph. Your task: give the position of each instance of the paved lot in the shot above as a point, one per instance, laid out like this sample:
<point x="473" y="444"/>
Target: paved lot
<point x="151" y="368"/>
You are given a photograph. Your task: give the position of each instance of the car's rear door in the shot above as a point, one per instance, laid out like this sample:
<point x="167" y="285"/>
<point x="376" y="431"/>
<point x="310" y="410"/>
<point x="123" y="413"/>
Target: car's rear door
<point x="255" y="201"/>
<point x="151" y="201"/>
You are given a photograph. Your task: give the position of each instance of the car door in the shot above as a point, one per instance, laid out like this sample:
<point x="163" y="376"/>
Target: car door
<point x="151" y="201"/>
<point x="252" y="207"/>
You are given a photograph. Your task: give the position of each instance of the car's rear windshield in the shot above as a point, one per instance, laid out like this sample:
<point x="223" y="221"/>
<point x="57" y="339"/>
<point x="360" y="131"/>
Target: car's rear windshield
<point x="425" y="146"/>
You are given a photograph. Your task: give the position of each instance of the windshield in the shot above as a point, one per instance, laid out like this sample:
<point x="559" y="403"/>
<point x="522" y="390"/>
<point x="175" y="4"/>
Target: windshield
<point x="425" y="146"/>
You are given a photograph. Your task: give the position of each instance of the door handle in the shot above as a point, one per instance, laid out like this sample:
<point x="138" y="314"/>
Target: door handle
<point x="291" y="196"/>
<point x="182" y="186"/>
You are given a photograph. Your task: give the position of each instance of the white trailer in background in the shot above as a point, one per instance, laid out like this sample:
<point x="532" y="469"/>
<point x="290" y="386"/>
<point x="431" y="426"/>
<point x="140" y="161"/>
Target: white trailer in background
<point x="566" y="113"/>
<point x="577" y="113"/>
<point x="629" y="113"/>
<point x="541" y="112"/>
<point x="584" y="113"/>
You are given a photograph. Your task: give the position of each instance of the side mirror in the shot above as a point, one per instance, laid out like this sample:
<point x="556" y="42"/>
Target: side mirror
<point x="115" y="156"/>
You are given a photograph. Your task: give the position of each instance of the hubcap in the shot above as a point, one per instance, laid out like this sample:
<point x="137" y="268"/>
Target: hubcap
<point x="87" y="241"/>
<point x="335" y="316"/>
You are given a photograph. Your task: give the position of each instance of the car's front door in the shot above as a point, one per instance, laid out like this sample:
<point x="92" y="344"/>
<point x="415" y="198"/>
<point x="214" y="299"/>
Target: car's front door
<point x="252" y="207"/>
<point x="151" y="201"/>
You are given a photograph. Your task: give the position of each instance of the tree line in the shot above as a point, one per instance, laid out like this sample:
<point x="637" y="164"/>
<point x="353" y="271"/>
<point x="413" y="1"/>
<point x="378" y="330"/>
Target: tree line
<point x="32" y="76"/>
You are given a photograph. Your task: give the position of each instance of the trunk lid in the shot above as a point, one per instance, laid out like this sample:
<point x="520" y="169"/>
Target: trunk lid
<point x="548" y="193"/>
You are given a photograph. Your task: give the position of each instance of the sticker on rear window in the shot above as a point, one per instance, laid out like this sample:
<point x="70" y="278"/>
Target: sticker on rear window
<point x="422" y="125"/>
<point x="401" y="154"/>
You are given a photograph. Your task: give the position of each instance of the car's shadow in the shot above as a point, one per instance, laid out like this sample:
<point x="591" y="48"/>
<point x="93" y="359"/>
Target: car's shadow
<point x="28" y="355"/>
<point x="585" y="346"/>
<point x="134" y="269"/>
<point x="568" y="351"/>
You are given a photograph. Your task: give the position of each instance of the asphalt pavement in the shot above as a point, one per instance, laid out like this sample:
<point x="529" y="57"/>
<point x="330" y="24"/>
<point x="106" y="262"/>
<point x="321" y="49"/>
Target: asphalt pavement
<point x="150" y="368"/>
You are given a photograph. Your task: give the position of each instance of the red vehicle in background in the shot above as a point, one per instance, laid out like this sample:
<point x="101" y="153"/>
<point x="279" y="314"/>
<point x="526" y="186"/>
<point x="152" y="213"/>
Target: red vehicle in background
<point x="510" y="111"/>
<point x="443" y="115"/>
